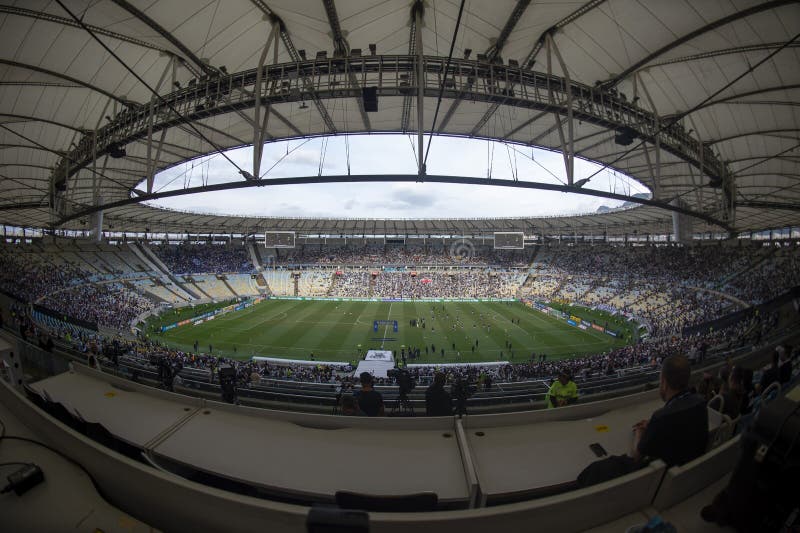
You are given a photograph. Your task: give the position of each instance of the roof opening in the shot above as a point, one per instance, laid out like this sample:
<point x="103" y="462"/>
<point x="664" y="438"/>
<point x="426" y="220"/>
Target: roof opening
<point x="493" y="161"/>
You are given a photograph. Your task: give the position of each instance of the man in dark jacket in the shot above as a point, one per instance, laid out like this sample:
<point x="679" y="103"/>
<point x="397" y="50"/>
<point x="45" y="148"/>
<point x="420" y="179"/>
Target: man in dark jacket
<point x="437" y="400"/>
<point x="370" y="401"/>
<point x="678" y="432"/>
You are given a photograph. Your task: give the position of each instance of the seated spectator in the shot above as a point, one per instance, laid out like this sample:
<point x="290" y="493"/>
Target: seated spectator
<point x="784" y="365"/>
<point x="562" y="392"/>
<point x="705" y="388"/>
<point x="349" y="406"/>
<point x="678" y="432"/>
<point x="437" y="400"/>
<point x="771" y="374"/>
<point x="733" y="394"/>
<point x="370" y="401"/>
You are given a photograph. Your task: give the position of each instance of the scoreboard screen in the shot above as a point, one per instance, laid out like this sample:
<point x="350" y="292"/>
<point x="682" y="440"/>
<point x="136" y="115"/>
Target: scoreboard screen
<point x="279" y="239"/>
<point x="509" y="240"/>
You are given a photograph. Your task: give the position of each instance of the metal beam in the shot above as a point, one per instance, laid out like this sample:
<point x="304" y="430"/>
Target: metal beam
<point x="733" y="17"/>
<point x="40" y="84"/>
<point x="769" y="133"/>
<point x="420" y="79"/>
<point x="492" y="54"/>
<point x="202" y="65"/>
<point x="23" y="205"/>
<point x="405" y="114"/>
<point x="603" y="110"/>
<point x="758" y="204"/>
<point x="748" y="93"/>
<point x="530" y="59"/>
<point x="259" y="126"/>
<point x="722" y="52"/>
<point x="656" y="174"/>
<point x="70" y="79"/>
<point x="32" y="147"/>
<point x="394" y="178"/>
<point x="308" y="84"/>
<point x="28" y="118"/>
<point x="342" y="49"/>
<point x="567" y="144"/>
<point x="41" y="15"/>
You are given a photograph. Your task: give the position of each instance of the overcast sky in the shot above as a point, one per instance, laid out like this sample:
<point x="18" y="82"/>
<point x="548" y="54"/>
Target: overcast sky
<point x="390" y="154"/>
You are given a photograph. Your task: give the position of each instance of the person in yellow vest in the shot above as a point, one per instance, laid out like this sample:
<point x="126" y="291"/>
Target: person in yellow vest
<point x="562" y="392"/>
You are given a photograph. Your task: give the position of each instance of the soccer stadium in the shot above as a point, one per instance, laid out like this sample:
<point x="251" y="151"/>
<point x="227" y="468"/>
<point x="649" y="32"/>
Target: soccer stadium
<point x="400" y="265"/>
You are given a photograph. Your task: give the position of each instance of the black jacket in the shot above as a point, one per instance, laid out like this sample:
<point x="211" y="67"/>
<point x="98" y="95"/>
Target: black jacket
<point x="438" y="401"/>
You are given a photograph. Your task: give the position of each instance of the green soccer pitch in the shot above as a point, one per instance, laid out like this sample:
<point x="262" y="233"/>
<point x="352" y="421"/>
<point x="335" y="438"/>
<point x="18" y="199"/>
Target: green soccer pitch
<point x="339" y="331"/>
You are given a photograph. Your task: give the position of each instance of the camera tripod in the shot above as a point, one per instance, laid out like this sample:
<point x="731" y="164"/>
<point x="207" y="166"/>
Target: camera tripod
<point x="402" y="406"/>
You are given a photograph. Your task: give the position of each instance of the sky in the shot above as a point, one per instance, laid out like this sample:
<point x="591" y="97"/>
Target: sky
<point x="390" y="154"/>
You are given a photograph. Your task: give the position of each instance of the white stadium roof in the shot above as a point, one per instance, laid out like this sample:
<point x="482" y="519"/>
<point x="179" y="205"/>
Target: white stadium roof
<point x="706" y="93"/>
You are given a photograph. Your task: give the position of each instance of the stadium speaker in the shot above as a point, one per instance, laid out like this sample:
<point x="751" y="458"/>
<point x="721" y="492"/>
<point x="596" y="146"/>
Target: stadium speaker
<point x="625" y="136"/>
<point x="116" y="152"/>
<point x="370" y="97"/>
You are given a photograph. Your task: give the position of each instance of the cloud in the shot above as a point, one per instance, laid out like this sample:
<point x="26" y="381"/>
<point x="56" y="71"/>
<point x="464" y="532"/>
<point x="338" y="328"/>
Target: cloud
<point x="409" y="198"/>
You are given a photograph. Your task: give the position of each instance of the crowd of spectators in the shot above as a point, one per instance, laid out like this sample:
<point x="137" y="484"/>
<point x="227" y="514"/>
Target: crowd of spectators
<point x="107" y="304"/>
<point x="778" y="271"/>
<point x="29" y="276"/>
<point x="460" y="253"/>
<point x="470" y="283"/>
<point x="204" y="258"/>
<point x="667" y="288"/>
<point x="66" y="288"/>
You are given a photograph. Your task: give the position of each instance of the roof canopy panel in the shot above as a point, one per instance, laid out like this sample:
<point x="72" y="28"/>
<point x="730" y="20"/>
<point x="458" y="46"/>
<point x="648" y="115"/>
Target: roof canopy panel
<point x="707" y="92"/>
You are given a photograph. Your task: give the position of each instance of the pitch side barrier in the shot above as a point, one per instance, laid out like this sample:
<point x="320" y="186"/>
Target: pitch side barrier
<point x="572" y="320"/>
<point x="432" y="300"/>
<point x="211" y="315"/>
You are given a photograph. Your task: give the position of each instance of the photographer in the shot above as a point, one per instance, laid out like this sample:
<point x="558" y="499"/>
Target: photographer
<point x="437" y="400"/>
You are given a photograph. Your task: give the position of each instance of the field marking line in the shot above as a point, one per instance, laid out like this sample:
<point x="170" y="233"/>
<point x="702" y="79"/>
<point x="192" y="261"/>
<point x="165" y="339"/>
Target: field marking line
<point x="387" y="325"/>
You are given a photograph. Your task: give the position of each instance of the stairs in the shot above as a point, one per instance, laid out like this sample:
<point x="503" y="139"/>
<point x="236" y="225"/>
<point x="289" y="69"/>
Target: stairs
<point x="332" y="288"/>
<point x="122" y="259"/>
<point x="228" y="286"/>
<point x="163" y="268"/>
<point x="150" y="261"/>
<point x="252" y="249"/>
<point x="196" y="286"/>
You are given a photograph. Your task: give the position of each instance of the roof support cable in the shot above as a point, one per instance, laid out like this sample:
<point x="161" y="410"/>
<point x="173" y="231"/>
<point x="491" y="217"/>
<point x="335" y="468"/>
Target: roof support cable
<point x="444" y="81"/>
<point x="188" y="122"/>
